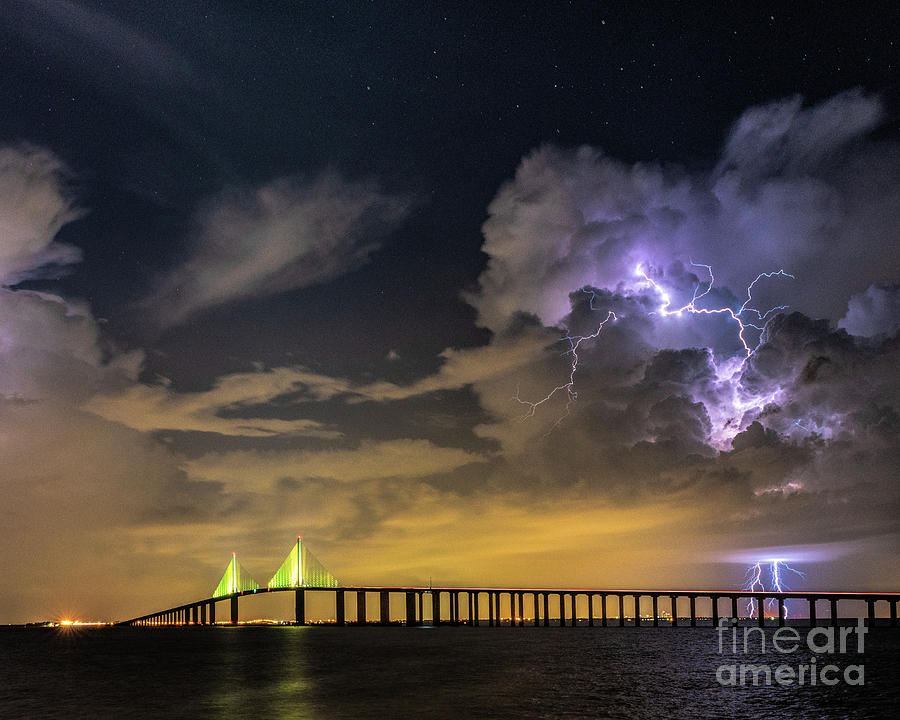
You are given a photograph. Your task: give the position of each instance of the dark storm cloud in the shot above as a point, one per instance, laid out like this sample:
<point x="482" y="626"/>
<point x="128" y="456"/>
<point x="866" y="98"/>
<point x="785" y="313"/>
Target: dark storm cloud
<point x="799" y="441"/>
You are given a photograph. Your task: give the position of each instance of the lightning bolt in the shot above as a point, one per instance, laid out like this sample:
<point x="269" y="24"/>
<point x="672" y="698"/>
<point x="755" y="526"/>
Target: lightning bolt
<point x="692" y="308"/>
<point x="664" y="310"/>
<point x="753" y="583"/>
<point x="569" y="387"/>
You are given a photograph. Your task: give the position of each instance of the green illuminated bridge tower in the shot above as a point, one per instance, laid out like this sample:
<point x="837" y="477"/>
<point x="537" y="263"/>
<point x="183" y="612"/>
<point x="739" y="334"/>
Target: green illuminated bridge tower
<point x="300" y="569"/>
<point x="301" y="572"/>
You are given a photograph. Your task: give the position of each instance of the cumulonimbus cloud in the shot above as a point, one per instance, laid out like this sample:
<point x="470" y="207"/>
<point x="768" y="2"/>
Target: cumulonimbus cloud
<point x="803" y="188"/>
<point x="286" y="235"/>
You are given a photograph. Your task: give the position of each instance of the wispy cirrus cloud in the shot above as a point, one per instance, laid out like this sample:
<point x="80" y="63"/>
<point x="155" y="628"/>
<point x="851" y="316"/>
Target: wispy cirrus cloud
<point x="289" y="234"/>
<point x="34" y="205"/>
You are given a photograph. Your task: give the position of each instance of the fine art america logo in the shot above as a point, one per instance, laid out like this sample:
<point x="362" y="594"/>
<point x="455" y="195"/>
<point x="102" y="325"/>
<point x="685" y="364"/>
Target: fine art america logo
<point x="821" y="642"/>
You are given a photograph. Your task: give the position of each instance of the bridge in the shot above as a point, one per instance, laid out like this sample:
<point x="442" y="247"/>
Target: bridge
<point x="302" y="573"/>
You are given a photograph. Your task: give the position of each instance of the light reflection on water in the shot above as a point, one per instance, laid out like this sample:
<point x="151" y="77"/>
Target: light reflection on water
<point x="327" y="672"/>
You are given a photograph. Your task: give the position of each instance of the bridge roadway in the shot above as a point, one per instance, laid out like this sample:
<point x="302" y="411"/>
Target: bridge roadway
<point x="203" y="612"/>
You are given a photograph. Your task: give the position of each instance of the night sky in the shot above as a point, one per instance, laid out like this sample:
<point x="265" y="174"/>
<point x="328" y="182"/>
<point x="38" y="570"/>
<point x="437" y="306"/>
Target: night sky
<point x="311" y="268"/>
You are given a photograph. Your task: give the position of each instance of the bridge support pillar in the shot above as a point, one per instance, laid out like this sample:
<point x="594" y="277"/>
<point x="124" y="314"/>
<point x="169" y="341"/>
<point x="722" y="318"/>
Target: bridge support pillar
<point x="536" y="603"/>
<point x="715" y="609"/>
<point x="655" y="601"/>
<point x="497" y="609"/>
<point x="603" y="621"/>
<point x="435" y="608"/>
<point x="637" y="610"/>
<point x="212" y="612"/>
<point x="590" y="599"/>
<point x="361" y="607"/>
<point x="834" y="612"/>
<point x="871" y="613"/>
<point x="234" y="609"/>
<point x="420" y="597"/>
<point x="203" y="613"/>
<point x="476" y="618"/>
<point x="693" y="611"/>
<point x="300" y="606"/>
<point x="781" y="612"/>
<point x="562" y="610"/>
<point x="195" y="614"/>
<point x="812" y="612"/>
<point x="490" y="599"/>
<point x="673" y="602"/>
<point x="546" y="601"/>
<point x="734" y="610"/>
<point x="574" y="612"/>
<point x="410" y="609"/>
<point x="340" y="616"/>
<point x="761" y="611"/>
<point x="893" y="604"/>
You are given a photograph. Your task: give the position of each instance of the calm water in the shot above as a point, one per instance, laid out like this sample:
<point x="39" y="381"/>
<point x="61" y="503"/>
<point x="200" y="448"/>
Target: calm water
<point x="327" y="672"/>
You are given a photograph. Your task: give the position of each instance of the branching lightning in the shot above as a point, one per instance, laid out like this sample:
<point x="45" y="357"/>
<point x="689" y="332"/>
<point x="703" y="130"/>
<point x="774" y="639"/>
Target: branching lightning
<point x="753" y="583"/>
<point x="692" y="308"/>
<point x="664" y="310"/>
<point x="569" y="387"/>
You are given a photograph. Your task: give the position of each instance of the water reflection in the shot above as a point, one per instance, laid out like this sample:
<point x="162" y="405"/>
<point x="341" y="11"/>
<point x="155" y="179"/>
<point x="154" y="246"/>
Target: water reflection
<point x="264" y="671"/>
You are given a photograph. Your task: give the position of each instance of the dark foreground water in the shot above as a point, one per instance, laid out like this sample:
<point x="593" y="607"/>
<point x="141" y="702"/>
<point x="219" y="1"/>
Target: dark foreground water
<point x="327" y="672"/>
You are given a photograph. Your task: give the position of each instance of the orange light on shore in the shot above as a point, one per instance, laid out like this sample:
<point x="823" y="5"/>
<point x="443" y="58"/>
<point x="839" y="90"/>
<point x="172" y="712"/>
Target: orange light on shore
<point x="80" y="623"/>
